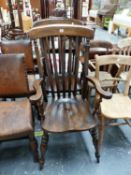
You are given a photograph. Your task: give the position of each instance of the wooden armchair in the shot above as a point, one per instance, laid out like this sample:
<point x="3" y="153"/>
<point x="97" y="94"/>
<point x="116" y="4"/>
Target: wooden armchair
<point x="119" y="106"/>
<point x="123" y="48"/>
<point x="67" y="109"/>
<point x="16" y="118"/>
<point x="100" y="47"/>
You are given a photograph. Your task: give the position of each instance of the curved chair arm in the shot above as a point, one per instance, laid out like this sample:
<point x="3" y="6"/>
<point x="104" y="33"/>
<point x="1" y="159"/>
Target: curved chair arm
<point x="39" y="95"/>
<point x="104" y="94"/>
<point x="37" y="99"/>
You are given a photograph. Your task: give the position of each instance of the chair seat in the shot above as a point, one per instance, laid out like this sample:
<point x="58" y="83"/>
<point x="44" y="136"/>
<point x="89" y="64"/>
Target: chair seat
<point x="15" y="119"/>
<point x="119" y="106"/>
<point x="104" y="77"/>
<point x="68" y="115"/>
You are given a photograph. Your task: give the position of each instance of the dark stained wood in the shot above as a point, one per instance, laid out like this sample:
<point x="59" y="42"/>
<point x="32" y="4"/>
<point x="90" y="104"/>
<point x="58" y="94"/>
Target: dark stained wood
<point x="11" y="13"/>
<point x="62" y="29"/>
<point x="68" y="110"/>
<point x="68" y="115"/>
<point x="56" y="20"/>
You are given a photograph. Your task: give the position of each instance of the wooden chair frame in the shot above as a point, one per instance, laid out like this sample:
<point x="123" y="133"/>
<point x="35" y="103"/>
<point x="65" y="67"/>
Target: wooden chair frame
<point x="118" y="107"/>
<point x="64" y="96"/>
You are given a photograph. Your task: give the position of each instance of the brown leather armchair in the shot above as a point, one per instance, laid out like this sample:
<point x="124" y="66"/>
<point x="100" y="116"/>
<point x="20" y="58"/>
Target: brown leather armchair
<point x="16" y="117"/>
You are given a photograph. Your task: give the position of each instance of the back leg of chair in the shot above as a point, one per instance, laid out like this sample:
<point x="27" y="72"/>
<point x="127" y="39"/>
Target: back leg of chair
<point x="34" y="147"/>
<point x="43" y="148"/>
<point x="95" y="140"/>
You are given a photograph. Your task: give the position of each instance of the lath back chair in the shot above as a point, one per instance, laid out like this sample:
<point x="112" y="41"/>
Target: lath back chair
<point x="66" y="111"/>
<point x="123" y="48"/>
<point x="55" y="48"/>
<point x="98" y="47"/>
<point x="16" y="118"/>
<point x="101" y="47"/>
<point x="119" y="106"/>
<point x="50" y="21"/>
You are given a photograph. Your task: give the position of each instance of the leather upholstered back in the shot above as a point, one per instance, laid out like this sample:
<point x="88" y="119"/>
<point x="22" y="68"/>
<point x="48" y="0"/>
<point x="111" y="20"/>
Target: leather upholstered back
<point x="13" y="80"/>
<point x="20" y="46"/>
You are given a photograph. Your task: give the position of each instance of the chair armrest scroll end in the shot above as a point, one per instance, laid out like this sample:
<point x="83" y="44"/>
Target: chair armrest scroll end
<point x="103" y="93"/>
<point x="38" y="95"/>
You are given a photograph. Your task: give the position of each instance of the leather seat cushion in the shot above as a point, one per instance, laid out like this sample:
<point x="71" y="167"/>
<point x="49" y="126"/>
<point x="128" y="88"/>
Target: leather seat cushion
<point x="15" y="119"/>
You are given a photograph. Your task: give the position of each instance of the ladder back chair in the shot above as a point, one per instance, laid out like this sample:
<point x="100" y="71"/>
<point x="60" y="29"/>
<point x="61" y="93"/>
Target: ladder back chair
<point x="100" y="47"/>
<point x="123" y="48"/>
<point x="67" y="110"/>
<point x="119" y="106"/>
<point x="16" y="117"/>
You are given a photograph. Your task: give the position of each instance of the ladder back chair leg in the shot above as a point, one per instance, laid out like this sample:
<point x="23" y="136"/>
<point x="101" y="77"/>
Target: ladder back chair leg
<point x="34" y="147"/>
<point x="43" y="148"/>
<point x="101" y="129"/>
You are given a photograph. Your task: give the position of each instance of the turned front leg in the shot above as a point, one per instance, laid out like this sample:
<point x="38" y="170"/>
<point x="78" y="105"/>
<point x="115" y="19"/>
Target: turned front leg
<point x="43" y="148"/>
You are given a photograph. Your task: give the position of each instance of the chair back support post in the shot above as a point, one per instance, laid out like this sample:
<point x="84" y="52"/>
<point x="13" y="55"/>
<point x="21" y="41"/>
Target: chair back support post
<point x="122" y="60"/>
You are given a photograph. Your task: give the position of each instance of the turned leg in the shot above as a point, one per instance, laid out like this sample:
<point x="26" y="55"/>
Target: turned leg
<point x="34" y="146"/>
<point x="43" y="148"/>
<point x="94" y="135"/>
<point x="101" y="130"/>
<point x="100" y="137"/>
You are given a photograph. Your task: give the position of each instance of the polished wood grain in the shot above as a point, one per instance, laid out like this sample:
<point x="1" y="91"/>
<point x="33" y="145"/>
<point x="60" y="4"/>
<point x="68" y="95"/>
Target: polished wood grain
<point x="62" y="29"/>
<point x="56" y="20"/>
<point x="118" y="107"/>
<point x="68" y="110"/>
